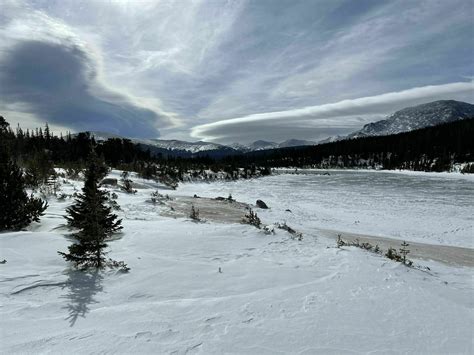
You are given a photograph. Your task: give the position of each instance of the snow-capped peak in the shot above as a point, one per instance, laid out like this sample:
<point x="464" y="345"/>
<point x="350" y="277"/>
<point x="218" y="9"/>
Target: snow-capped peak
<point x="421" y="116"/>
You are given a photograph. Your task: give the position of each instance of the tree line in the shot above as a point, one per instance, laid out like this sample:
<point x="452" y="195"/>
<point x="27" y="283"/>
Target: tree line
<point x="39" y="151"/>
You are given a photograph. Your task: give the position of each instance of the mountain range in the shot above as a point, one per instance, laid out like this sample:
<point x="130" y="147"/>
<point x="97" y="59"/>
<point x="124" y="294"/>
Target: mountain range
<point x="407" y="119"/>
<point x="184" y="148"/>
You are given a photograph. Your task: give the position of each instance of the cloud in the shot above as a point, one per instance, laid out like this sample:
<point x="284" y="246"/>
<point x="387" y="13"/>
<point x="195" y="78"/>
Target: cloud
<point x="59" y="83"/>
<point x="316" y="122"/>
<point x="55" y="76"/>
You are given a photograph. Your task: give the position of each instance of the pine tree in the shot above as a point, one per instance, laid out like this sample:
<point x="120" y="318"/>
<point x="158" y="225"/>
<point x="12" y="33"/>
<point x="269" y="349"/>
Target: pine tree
<point x="17" y="208"/>
<point x="3" y="125"/>
<point x="47" y="133"/>
<point x="93" y="219"/>
<point x="38" y="168"/>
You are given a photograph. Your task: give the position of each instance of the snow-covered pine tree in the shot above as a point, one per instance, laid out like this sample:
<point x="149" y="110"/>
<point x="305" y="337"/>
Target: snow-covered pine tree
<point x="93" y="219"/>
<point x="18" y="209"/>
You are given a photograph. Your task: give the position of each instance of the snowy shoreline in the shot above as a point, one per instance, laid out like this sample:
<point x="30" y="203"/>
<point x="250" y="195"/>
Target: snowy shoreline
<point x="444" y="174"/>
<point x="424" y="208"/>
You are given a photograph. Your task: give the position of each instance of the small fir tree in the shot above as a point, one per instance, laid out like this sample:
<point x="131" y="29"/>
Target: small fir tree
<point x="18" y="209"/>
<point x="393" y="255"/>
<point x="194" y="214"/>
<point x="155" y="197"/>
<point x="94" y="220"/>
<point x="252" y="219"/>
<point x="404" y="251"/>
<point x="127" y="183"/>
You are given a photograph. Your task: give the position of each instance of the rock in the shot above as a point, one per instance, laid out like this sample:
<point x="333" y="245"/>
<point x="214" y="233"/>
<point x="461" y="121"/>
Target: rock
<point x="261" y="204"/>
<point x="109" y="181"/>
<point x="269" y="229"/>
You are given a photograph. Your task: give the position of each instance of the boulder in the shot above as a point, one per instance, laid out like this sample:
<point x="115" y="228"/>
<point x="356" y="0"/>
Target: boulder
<point x="110" y="181"/>
<point x="261" y="204"/>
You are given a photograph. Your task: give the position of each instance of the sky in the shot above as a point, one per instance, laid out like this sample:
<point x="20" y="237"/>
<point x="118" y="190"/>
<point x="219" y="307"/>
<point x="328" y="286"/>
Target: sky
<point x="229" y="71"/>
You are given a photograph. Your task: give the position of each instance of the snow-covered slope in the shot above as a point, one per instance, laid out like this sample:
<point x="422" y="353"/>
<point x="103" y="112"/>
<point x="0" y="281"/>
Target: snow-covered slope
<point x="421" y="116"/>
<point x="295" y="143"/>
<point x="102" y="136"/>
<point x="239" y="147"/>
<point x="192" y="147"/>
<point x="264" y="145"/>
<point x="332" y="139"/>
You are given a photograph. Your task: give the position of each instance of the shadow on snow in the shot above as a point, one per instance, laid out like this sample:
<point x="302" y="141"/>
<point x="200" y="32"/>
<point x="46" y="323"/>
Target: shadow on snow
<point x="82" y="287"/>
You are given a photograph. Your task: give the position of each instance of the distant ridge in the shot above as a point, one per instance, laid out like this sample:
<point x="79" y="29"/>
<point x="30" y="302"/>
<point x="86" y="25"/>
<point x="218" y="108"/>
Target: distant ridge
<point x="412" y="118"/>
<point x="265" y="145"/>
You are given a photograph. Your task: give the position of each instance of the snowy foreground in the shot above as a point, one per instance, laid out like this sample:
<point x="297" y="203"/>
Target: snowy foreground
<point x="274" y="294"/>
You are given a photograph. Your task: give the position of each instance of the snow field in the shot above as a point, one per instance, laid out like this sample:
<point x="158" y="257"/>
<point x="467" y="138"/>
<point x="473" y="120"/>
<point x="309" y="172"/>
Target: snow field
<point x="274" y="295"/>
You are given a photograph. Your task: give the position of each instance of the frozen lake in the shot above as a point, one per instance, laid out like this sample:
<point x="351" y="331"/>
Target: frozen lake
<point x="422" y="207"/>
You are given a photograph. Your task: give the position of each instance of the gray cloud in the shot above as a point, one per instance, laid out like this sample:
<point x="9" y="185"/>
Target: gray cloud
<point x="60" y="84"/>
